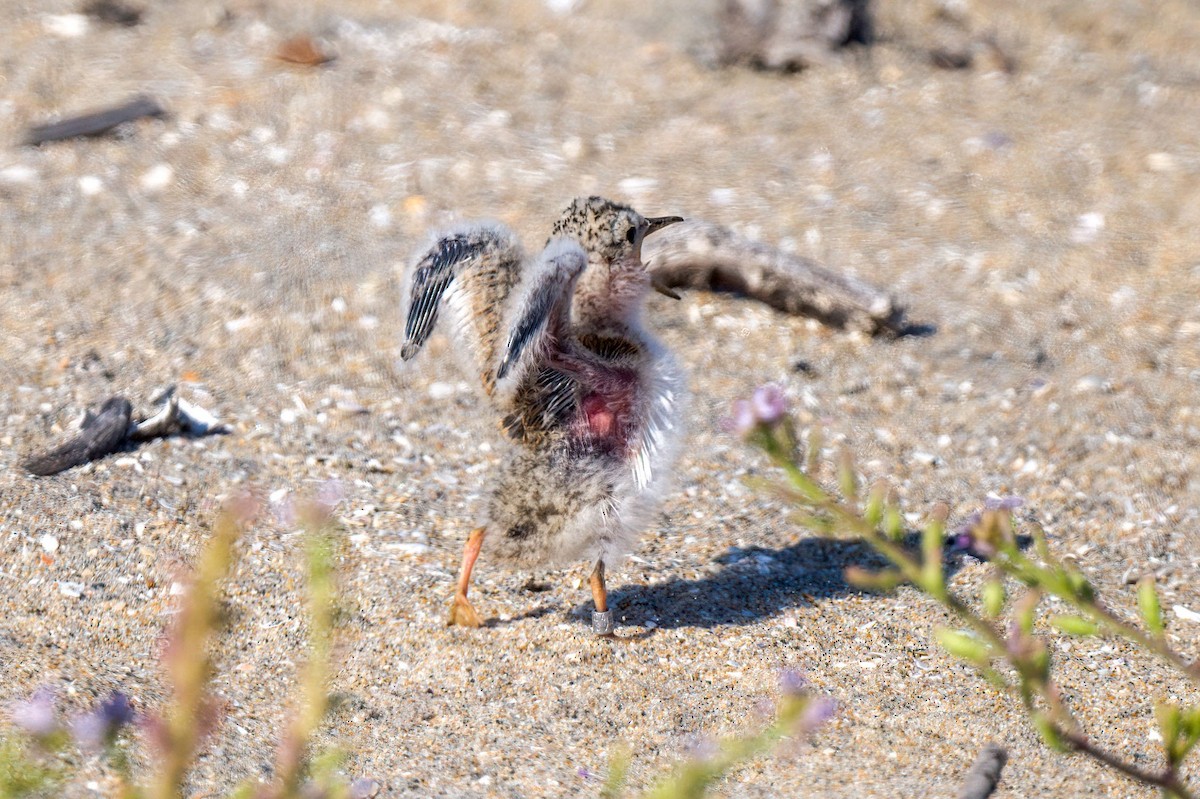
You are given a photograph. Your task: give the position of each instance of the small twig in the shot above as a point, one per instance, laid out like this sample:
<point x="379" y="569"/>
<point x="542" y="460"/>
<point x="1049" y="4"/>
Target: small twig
<point x="94" y="123"/>
<point x="984" y="775"/>
<point x="701" y="255"/>
<point x="1168" y="781"/>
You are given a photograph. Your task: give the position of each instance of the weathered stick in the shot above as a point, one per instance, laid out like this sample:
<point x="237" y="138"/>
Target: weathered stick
<point x="983" y="777"/>
<point x="94" y="123"/>
<point x="100" y="434"/>
<point x="700" y="255"/>
<point x="789" y="34"/>
<point x="114" y="427"/>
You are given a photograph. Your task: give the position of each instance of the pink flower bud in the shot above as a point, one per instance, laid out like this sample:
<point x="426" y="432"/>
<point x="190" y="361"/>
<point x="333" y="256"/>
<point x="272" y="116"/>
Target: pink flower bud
<point x="769" y="404"/>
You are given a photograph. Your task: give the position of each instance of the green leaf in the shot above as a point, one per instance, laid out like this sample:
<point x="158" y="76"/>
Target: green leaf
<point x="805" y="486"/>
<point x="1149" y="605"/>
<point x="893" y="522"/>
<point x="1074" y="625"/>
<point x="618" y="774"/>
<point x="933" y="578"/>
<point x="962" y="645"/>
<point x="1040" y="545"/>
<point x="993" y="598"/>
<point x="873" y="514"/>
<point x="1026" y="609"/>
<point x="23" y="775"/>
<point x="1170" y="721"/>
<point x="847" y="480"/>
<point x="812" y="455"/>
<point x="881" y="581"/>
<point x="1190" y="732"/>
<point x="1049" y="732"/>
<point x="1080" y="587"/>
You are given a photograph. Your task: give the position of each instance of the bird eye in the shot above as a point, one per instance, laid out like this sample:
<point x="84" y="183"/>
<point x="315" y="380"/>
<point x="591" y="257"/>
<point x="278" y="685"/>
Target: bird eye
<point x="631" y="234"/>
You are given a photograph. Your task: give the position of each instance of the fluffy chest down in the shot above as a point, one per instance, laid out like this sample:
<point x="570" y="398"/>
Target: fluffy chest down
<point x="635" y="414"/>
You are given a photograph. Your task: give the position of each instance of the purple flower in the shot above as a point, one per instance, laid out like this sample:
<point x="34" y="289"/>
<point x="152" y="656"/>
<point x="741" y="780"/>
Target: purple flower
<point x="1003" y="503"/>
<point x="702" y="748"/>
<point x="765" y="408"/>
<point x="331" y="492"/>
<point x="769" y="404"/>
<point x="817" y="713"/>
<point x="792" y="682"/>
<point x="97" y="729"/>
<point x="35" y="715"/>
<point x="363" y="788"/>
<point x="980" y="532"/>
<point x="285" y="511"/>
<point x="742" y="420"/>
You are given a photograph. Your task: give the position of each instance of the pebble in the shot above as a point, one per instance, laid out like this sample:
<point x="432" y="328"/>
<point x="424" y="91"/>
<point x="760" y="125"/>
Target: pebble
<point x="1092" y="384"/>
<point x="722" y="197"/>
<point x="1160" y="162"/>
<point x="637" y="189"/>
<point x="1087" y="227"/>
<point x="49" y="543"/>
<point x="573" y="148"/>
<point x="380" y="216"/>
<point x="408" y="548"/>
<point x="157" y="177"/>
<point x="18" y="174"/>
<point x="70" y="589"/>
<point x="925" y="458"/>
<point x="68" y="26"/>
<point x="90" y="185"/>
<point x="1186" y="614"/>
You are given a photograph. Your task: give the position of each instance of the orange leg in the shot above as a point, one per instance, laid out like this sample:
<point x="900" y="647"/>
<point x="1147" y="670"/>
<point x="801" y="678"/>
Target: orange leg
<point x="461" y="611"/>
<point x="602" y="623"/>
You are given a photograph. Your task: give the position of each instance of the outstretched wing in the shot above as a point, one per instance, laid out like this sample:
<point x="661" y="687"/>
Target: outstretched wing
<point x="541" y="312"/>
<point x="469" y="273"/>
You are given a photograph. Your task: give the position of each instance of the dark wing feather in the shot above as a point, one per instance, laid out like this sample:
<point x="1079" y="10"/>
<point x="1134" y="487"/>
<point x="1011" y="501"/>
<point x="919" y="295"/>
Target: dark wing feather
<point x="430" y="281"/>
<point x="542" y="404"/>
<point x="471" y="272"/>
<point x="544" y="305"/>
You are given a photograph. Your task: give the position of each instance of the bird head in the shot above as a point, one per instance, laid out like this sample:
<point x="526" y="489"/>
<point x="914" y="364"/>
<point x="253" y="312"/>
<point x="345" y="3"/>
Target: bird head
<point x="611" y="233"/>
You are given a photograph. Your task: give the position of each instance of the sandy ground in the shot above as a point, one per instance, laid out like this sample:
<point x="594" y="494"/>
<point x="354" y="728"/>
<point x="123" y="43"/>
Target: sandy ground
<point x="248" y="247"/>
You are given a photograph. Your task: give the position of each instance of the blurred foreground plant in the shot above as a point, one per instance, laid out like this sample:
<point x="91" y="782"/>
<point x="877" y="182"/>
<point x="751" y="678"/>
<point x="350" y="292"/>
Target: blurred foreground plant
<point x="797" y="715"/>
<point x="992" y="637"/>
<point x="38" y="758"/>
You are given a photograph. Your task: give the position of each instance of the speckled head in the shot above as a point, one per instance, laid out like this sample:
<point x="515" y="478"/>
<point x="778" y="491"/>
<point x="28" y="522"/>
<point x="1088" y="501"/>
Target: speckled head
<point x="608" y="231"/>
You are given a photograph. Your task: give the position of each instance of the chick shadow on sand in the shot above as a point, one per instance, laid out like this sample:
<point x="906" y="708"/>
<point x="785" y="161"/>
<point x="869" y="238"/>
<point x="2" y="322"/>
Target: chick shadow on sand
<point x="753" y="584"/>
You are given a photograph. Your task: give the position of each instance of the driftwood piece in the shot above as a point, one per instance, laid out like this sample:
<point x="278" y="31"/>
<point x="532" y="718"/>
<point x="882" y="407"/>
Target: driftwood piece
<point x="113" y="12"/>
<point x="701" y="255"/>
<point x="94" y="123"/>
<point x="99" y="435"/>
<point x="114" y="427"/>
<point x="789" y="34"/>
<point x="984" y="775"/>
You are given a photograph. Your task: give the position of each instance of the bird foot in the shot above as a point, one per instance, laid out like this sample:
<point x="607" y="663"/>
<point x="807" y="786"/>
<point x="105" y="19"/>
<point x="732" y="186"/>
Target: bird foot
<point x="462" y="613"/>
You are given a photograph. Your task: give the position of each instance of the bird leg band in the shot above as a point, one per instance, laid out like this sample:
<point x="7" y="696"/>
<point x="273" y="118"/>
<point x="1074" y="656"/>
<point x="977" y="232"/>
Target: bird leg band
<point x="602" y="618"/>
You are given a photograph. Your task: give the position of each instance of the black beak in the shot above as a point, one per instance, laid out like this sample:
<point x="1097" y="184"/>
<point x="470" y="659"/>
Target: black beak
<point x="660" y="222"/>
<point x="662" y="288"/>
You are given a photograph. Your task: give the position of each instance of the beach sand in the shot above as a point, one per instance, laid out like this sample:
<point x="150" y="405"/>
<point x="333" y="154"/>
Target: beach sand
<point x="1041" y="223"/>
